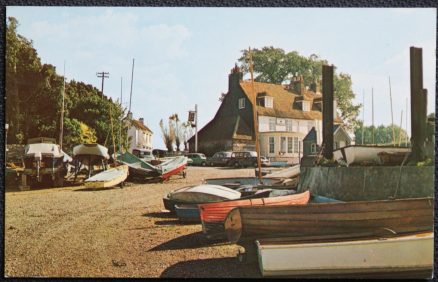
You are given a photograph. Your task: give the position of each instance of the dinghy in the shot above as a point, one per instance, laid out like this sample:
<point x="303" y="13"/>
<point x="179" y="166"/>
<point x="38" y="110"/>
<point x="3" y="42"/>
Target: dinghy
<point x="108" y="178"/>
<point x="328" y="258"/>
<point x="330" y="218"/>
<point x="213" y="215"/>
<point x="196" y="194"/>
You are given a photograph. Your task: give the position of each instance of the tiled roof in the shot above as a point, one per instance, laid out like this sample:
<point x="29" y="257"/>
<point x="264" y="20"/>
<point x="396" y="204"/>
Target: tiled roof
<point x="140" y="125"/>
<point x="284" y="101"/>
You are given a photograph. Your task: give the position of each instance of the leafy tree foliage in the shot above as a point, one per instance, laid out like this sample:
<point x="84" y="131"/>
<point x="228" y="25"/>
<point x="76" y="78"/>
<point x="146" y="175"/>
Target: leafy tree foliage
<point x="34" y="100"/>
<point x="382" y="135"/>
<point x="274" y="65"/>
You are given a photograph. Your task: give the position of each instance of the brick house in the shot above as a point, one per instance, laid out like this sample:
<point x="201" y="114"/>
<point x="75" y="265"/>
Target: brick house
<point x="286" y="113"/>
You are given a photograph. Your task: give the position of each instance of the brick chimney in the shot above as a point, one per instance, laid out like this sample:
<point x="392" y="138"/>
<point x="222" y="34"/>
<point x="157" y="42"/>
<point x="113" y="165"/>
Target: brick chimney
<point x="141" y="120"/>
<point x="297" y="84"/>
<point x="316" y="87"/>
<point x="234" y="78"/>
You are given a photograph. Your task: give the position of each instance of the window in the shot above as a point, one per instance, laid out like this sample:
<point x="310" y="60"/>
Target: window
<point x="271" y="145"/>
<point x="289" y="144"/>
<point x="241" y="103"/>
<point x="269" y="102"/>
<point x="313" y="148"/>
<point x="296" y="144"/>
<point x="283" y="144"/>
<point x="306" y="106"/>
<point x="272" y="122"/>
<point x="289" y="125"/>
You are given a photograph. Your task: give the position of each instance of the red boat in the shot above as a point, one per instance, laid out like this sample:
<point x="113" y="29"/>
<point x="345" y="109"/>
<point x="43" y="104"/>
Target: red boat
<point x="213" y="215"/>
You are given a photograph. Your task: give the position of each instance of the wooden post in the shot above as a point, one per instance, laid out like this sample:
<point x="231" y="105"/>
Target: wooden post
<point x="256" y="124"/>
<point x="416" y="78"/>
<point x="327" y="111"/>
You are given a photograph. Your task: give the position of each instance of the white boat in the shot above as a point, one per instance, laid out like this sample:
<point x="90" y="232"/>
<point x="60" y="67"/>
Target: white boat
<point x="91" y="149"/>
<point x="289" y="172"/>
<point x="400" y="254"/>
<point x="358" y="154"/>
<point x="197" y="194"/>
<point x="108" y="178"/>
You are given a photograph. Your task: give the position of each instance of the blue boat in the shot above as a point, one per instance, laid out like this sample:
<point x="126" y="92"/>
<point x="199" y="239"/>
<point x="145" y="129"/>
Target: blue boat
<point x="188" y="213"/>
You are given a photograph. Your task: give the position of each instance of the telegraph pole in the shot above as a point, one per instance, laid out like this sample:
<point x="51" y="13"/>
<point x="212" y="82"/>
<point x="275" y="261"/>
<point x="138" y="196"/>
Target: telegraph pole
<point x="61" y="129"/>
<point x="102" y="75"/>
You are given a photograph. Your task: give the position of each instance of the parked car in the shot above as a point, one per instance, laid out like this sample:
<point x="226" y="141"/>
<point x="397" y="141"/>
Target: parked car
<point x="143" y="154"/>
<point x="197" y="159"/>
<point x="243" y="159"/>
<point x="265" y="161"/>
<point x="220" y="159"/>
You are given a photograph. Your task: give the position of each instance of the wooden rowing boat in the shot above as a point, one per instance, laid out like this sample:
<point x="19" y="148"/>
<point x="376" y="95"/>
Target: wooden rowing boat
<point x="108" y="178"/>
<point x="190" y="212"/>
<point x="327" y="258"/>
<point x="371" y="217"/>
<point x="213" y="215"/>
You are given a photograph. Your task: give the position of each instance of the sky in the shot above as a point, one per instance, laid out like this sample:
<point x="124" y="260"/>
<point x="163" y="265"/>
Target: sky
<point x="183" y="55"/>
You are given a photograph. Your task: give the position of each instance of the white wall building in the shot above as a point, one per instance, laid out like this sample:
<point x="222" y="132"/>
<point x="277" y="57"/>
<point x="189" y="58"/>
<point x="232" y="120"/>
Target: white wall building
<point x="140" y="135"/>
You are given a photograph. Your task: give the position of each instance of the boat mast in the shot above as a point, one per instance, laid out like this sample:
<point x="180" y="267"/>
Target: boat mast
<point x="132" y="77"/>
<point x="254" y="111"/>
<point x="121" y="120"/>
<point x="372" y="112"/>
<point x="112" y="135"/>
<point x="400" y="132"/>
<point x="406" y="121"/>
<point x="61" y="123"/>
<point x="392" y="116"/>
<point x="363" y="113"/>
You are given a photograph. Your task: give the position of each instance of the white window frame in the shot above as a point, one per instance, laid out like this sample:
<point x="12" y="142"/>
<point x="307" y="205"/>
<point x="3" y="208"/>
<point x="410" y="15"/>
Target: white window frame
<point x="306" y="106"/>
<point x="241" y="103"/>
<point x="289" y="126"/>
<point x="313" y="148"/>
<point x="272" y="123"/>
<point x="271" y="141"/>
<point x="269" y="102"/>
<point x="296" y="145"/>
<point x="290" y="145"/>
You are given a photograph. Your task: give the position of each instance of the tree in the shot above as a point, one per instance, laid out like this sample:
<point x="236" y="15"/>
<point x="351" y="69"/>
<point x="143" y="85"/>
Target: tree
<point x="177" y="126"/>
<point x="168" y="135"/>
<point x="382" y="135"/>
<point x="274" y="65"/>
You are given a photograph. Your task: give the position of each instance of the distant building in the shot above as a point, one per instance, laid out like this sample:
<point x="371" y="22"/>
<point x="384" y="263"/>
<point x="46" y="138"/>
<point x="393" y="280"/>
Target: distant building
<point x="139" y="134"/>
<point x="286" y="113"/>
<point x="312" y="144"/>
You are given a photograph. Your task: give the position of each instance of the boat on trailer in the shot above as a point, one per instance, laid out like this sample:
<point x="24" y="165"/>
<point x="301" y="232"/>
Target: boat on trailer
<point x="89" y="156"/>
<point x="159" y="170"/>
<point x="330" y="218"/>
<point x="340" y="257"/>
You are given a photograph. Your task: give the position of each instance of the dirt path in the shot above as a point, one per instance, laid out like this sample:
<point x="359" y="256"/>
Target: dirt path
<point x="74" y="232"/>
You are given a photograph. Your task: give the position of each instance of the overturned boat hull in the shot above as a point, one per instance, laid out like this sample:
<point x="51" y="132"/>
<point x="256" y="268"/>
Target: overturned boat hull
<point x="331" y="218"/>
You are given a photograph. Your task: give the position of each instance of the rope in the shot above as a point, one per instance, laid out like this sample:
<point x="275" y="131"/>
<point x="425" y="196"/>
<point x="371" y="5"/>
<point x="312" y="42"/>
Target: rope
<point x="399" y="176"/>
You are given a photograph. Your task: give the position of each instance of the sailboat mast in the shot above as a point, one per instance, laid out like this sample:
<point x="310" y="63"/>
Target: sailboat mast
<point x="61" y="123"/>
<point x="372" y="112"/>
<point x="392" y="115"/>
<point x="121" y="120"/>
<point x="132" y="78"/>
<point x="363" y="113"/>
<point x="400" y="132"/>
<point x="254" y="111"/>
<point x="406" y="121"/>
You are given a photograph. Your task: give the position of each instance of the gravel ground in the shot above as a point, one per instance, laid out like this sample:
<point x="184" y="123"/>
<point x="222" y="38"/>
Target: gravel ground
<point x="75" y="232"/>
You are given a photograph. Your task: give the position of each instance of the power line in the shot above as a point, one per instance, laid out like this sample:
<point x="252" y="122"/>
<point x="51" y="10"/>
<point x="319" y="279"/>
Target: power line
<point x="102" y="75"/>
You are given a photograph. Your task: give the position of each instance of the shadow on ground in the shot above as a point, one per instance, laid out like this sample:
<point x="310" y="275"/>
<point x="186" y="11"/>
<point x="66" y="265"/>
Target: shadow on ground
<point x="212" y="268"/>
<point x="190" y="241"/>
<point x="95" y="189"/>
<point x="160" y="215"/>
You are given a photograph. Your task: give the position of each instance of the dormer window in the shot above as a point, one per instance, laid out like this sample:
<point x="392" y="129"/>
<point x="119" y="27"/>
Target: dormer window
<point x="241" y="103"/>
<point x="269" y="102"/>
<point x="306" y="106"/>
